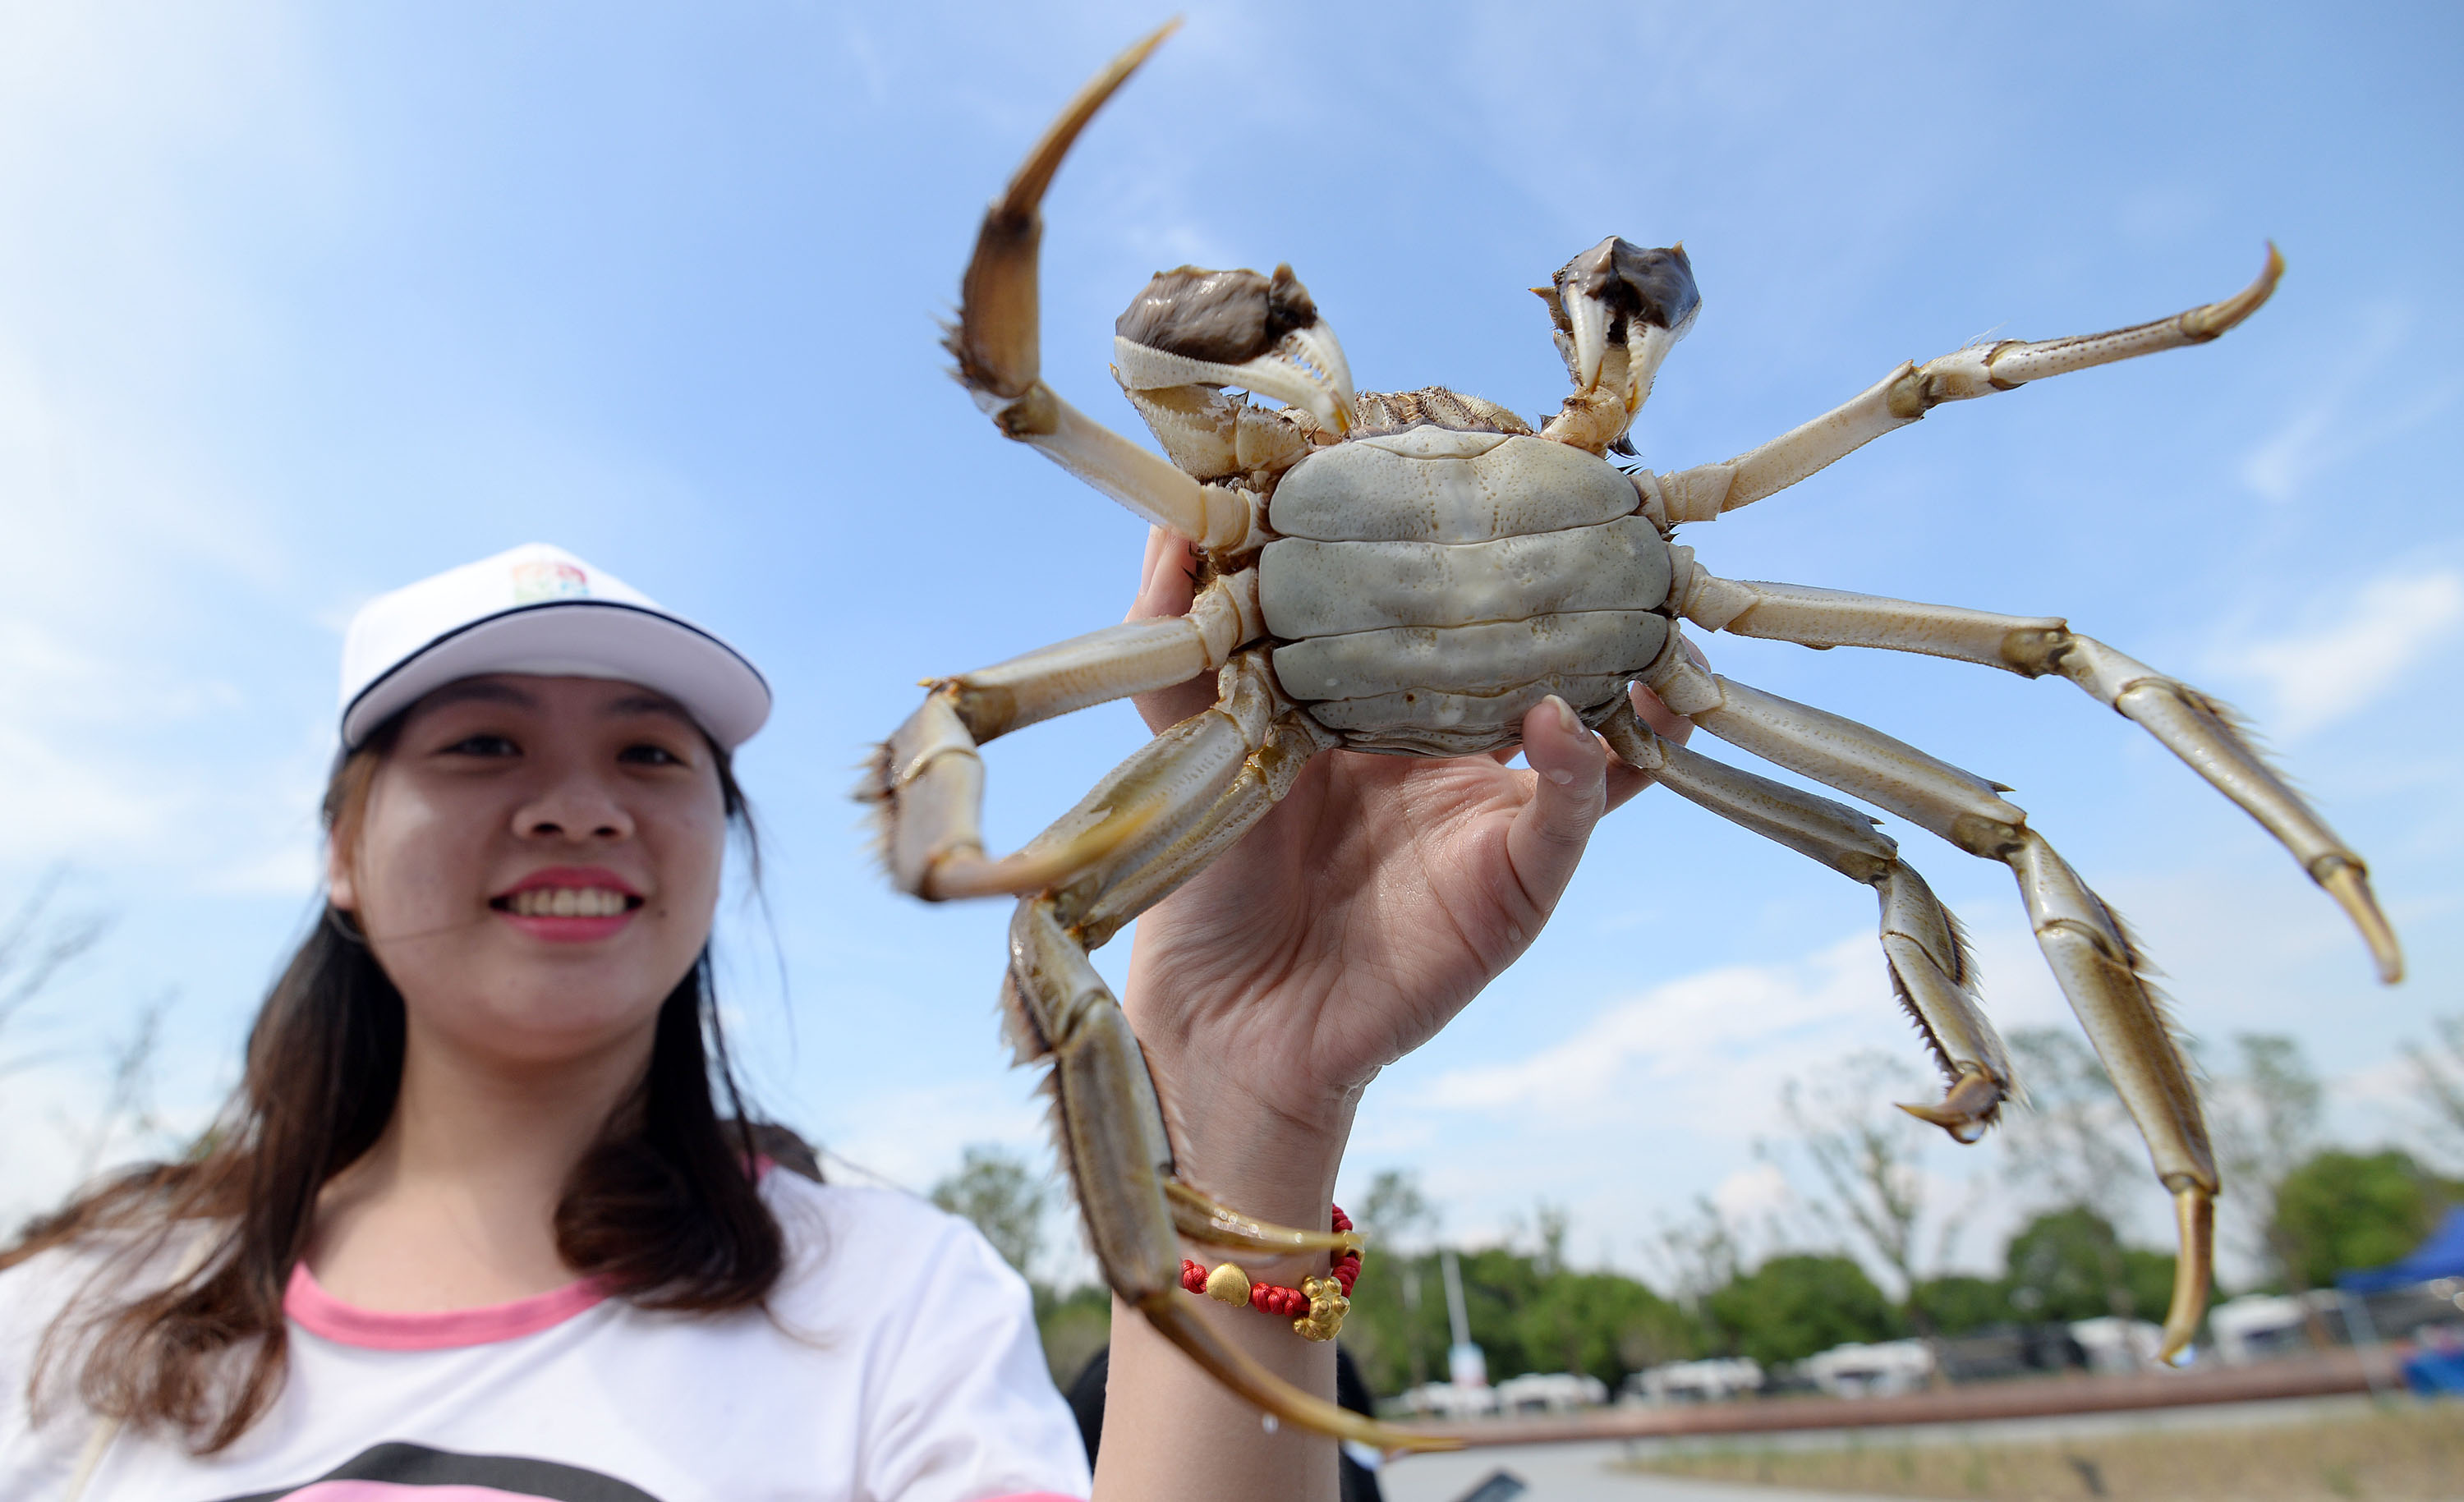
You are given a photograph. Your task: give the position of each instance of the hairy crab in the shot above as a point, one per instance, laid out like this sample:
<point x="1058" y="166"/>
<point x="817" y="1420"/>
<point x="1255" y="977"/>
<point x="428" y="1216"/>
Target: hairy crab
<point x="1409" y="574"/>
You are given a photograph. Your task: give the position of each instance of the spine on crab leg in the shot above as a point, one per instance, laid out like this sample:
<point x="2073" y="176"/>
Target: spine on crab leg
<point x="1111" y="1132"/>
<point x="2096" y="966"/>
<point x="2101" y="973"/>
<point x="1927" y="957"/>
<point x="2202" y="731"/>
<point x="1104" y="901"/>
<point x="1099" y="908"/>
<point x="998" y="340"/>
<point x="1911" y="391"/>
<point x="928" y="778"/>
<point x="1157" y="792"/>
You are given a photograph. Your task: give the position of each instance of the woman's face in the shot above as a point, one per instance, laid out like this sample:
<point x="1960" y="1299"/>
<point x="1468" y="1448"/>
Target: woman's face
<point x="537" y="863"/>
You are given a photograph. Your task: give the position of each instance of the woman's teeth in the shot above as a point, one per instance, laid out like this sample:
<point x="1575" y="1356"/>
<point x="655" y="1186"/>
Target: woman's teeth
<point x="567" y="902"/>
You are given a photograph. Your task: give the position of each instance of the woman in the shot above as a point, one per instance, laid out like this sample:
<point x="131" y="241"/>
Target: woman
<point x="474" y="1219"/>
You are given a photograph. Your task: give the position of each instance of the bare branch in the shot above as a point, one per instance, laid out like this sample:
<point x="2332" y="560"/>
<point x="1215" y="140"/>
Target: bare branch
<point x="1867" y="1155"/>
<point x="128" y="1105"/>
<point x="36" y="944"/>
<point x="2074" y="1141"/>
<point x="2439" y="1086"/>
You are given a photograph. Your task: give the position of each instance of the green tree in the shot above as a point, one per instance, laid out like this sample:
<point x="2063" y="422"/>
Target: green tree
<point x="1958" y="1303"/>
<point x="1792" y="1306"/>
<point x="1602" y="1324"/>
<point x="1397" y="1342"/>
<point x="1397" y="1218"/>
<point x="2264" y="1119"/>
<point x="1498" y="1285"/>
<point x="2077" y="1143"/>
<point x="1693" y="1258"/>
<point x="1074" y="1326"/>
<point x="2341" y="1210"/>
<point x="1003" y="1197"/>
<point x="2068" y="1264"/>
<point x="1868" y="1155"/>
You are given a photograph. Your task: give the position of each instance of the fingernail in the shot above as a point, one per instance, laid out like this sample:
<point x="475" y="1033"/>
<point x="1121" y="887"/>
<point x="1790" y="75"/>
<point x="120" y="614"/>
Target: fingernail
<point x="1561" y="777"/>
<point x="1566" y="719"/>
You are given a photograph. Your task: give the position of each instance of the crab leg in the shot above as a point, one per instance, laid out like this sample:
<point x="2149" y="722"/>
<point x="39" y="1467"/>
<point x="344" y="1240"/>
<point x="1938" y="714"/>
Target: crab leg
<point x="2093" y="958"/>
<point x="1102" y="902"/>
<point x="996" y="341"/>
<point x="1906" y="394"/>
<point x="2195" y="728"/>
<point x="1927" y="954"/>
<point x="1099" y="903"/>
<point x="929" y="779"/>
<point x="1182" y="798"/>
<point x="1111" y="1136"/>
<point x="1110" y="1122"/>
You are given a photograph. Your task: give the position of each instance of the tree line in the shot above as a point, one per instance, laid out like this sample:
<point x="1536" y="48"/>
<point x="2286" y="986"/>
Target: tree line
<point x="1864" y="1250"/>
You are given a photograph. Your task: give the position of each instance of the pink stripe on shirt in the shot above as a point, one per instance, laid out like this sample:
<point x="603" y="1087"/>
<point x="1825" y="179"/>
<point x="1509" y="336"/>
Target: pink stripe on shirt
<point x="321" y="1313"/>
<point x="400" y="1493"/>
<point x="396" y="1491"/>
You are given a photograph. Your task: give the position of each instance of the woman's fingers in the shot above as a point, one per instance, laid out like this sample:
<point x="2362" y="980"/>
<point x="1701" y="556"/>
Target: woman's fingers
<point x="1570" y="793"/>
<point x="1165" y="588"/>
<point x="1624" y="781"/>
<point x="1665" y="722"/>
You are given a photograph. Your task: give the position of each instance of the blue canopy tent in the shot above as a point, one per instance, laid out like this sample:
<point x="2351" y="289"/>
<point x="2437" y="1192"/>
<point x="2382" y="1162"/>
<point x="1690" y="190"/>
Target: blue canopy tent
<point x="2442" y="1255"/>
<point x="2438" y="1367"/>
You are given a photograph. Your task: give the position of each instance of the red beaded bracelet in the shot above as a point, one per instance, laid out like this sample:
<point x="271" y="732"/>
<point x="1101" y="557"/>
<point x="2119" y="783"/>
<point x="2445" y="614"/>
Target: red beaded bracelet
<point x="1316" y="1308"/>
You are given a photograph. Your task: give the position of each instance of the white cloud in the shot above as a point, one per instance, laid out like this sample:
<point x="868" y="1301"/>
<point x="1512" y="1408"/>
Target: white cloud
<point x="1753" y="1194"/>
<point x="1700" y="1037"/>
<point x="51" y="802"/>
<point x="914" y="1136"/>
<point x="2348" y="414"/>
<point x="2332" y="671"/>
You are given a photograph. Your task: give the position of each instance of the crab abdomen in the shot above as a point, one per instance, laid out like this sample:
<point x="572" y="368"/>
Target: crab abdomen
<point x="1429" y="587"/>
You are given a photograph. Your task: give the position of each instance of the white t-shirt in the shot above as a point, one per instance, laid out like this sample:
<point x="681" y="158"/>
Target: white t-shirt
<point x="898" y="1363"/>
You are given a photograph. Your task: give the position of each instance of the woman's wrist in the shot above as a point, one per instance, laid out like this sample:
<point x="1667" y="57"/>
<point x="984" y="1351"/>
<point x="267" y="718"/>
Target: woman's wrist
<point x="1261" y="1156"/>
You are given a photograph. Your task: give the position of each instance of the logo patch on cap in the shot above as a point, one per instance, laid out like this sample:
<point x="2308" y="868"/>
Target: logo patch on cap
<point x="543" y="579"/>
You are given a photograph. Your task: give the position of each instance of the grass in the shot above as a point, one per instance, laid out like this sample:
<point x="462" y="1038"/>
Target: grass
<point x="2399" y="1453"/>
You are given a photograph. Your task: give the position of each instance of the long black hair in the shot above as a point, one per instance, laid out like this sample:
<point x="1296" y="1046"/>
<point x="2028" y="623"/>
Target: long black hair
<point x="663" y="1210"/>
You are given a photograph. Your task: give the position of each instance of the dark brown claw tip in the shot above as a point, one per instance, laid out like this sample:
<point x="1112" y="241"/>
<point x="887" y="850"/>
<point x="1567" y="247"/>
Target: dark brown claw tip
<point x="2194" y="1209"/>
<point x="1655" y="286"/>
<point x="1965" y="1110"/>
<point x="1222" y="317"/>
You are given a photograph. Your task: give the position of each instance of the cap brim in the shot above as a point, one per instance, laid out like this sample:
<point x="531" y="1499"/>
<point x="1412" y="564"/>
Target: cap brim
<point x="726" y="696"/>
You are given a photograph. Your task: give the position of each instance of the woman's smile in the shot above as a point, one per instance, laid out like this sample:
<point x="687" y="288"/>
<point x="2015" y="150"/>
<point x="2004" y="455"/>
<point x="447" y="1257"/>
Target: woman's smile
<point x="569" y="904"/>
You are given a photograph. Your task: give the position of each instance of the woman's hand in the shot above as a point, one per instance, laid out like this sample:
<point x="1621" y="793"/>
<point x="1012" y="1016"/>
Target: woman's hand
<point x="1342" y="932"/>
<point x="1350" y="926"/>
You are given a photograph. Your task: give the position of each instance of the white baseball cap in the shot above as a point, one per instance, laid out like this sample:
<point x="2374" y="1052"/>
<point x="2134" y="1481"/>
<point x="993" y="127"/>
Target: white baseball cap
<point x="538" y="609"/>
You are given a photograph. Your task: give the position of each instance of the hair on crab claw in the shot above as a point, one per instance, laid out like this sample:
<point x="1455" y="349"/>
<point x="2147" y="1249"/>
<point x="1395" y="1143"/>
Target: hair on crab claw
<point x="1192" y="326"/>
<point x="1618" y="295"/>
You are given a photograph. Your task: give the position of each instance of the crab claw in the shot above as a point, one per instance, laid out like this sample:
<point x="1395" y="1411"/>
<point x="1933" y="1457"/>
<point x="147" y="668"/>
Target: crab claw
<point x="1617" y="296"/>
<point x="1197" y="327"/>
<point x="2194" y="1208"/>
<point x="1965" y="1110"/>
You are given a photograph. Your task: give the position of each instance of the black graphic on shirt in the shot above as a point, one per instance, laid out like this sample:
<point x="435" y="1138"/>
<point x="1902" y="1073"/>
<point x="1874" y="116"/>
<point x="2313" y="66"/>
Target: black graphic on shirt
<point x="417" y="1466"/>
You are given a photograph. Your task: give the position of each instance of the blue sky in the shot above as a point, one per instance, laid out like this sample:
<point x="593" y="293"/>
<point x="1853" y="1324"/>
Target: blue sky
<point x="299" y="303"/>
